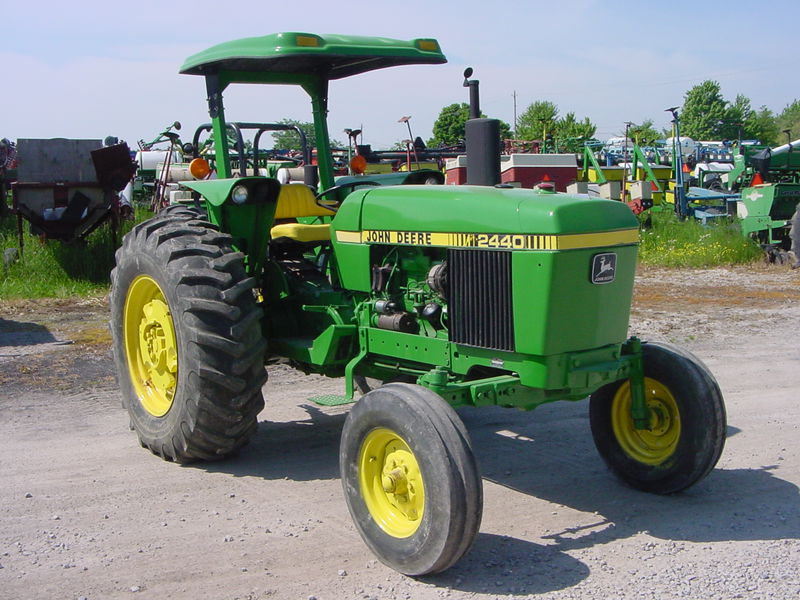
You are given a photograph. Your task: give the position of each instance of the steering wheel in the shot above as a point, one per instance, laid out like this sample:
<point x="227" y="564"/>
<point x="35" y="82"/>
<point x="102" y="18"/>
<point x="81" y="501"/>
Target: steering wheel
<point x="334" y="204"/>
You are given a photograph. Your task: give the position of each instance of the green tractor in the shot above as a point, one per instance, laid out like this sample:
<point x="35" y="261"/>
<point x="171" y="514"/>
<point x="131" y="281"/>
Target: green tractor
<point x="423" y="297"/>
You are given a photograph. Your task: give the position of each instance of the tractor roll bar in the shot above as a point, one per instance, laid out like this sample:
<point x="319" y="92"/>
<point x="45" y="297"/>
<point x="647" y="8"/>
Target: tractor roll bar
<point x="261" y="129"/>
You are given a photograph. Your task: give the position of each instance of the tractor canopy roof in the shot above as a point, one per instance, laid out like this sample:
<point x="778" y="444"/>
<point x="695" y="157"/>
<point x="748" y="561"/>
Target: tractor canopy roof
<point x="283" y="55"/>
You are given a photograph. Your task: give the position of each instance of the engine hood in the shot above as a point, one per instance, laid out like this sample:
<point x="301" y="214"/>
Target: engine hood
<point x="380" y="212"/>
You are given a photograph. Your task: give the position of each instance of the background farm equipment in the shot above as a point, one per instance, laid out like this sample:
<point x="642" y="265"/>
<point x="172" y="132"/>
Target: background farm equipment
<point x="8" y="171"/>
<point x="523" y="170"/>
<point x="158" y="163"/>
<point x="425" y="297"/>
<point x="768" y="180"/>
<point x="162" y="171"/>
<point x="67" y="188"/>
<point x="644" y="184"/>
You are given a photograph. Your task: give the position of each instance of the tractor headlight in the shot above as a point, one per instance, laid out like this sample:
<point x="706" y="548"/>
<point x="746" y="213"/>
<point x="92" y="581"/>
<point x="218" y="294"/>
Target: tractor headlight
<point x="239" y="194"/>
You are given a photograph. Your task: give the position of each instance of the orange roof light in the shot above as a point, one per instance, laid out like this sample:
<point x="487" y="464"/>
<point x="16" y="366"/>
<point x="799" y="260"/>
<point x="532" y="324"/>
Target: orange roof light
<point x="358" y="164"/>
<point x="199" y="168"/>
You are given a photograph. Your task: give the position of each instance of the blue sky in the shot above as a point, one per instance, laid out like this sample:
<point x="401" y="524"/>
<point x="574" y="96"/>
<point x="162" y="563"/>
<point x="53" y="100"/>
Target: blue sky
<point x="88" y="69"/>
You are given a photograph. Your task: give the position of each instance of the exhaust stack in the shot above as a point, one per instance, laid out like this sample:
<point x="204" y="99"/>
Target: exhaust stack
<point x="483" y="140"/>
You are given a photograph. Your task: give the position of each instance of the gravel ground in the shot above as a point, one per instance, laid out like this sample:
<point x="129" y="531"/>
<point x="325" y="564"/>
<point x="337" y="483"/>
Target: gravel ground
<point x="89" y="514"/>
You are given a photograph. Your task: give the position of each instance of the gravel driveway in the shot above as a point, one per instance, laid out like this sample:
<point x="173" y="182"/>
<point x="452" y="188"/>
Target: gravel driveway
<point x="87" y="513"/>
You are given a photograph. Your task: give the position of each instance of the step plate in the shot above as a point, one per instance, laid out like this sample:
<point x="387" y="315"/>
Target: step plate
<point x="331" y="400"/>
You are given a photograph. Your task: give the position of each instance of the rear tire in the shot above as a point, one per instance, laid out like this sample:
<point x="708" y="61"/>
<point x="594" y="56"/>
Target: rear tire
<point x="188" y="345"/>
<point x="687" y="427"/>
<point x="410" y="479"/>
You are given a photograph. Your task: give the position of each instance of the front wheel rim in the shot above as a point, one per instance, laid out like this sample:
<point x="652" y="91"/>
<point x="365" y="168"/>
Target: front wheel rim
<point x="654" y="445"/>
<point x="391" y="483"/>
<point x="150" y="346"/>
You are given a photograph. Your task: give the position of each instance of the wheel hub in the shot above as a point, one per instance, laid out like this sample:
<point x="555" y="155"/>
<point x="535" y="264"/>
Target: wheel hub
<point x="654" y="445"/>
<point x="660" y="419"/>
<point x="391" y="483"/>
<point x="150" y="346"/>
<point x="399" y="472"/>
<point x="157" y="344"/>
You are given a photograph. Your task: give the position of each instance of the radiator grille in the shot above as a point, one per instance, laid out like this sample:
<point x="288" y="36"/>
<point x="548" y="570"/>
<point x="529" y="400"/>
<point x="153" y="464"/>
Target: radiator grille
<point x="480" y="302"/>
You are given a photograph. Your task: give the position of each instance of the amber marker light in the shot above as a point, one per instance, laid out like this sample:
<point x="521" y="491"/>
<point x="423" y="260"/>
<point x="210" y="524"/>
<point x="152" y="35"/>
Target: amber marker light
<point x="358" y="164"/>
<point x="307" y="41"/>
<point x="428" y="45"/>
<point x="199" y="168"/>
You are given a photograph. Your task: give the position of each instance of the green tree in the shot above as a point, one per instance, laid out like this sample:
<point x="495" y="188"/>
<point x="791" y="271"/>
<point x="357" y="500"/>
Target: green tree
<point x="742" y="119"/>
<point x="505" y="130"/>
<point x="540" y="121"/>
<point x="736" y="118"/>
<point x="290" y="140"/>
<point x="537" y="121"/>
<point x="789" y="118"/>
<point x="706" y="115"/>
<point x="571" y="134"/>
<point x="644" y="133"/>
<point x="704" y="109"/>
<point x="449" y="127"/>
<point x="569" y="126"/>
<point x="763" y="126"/>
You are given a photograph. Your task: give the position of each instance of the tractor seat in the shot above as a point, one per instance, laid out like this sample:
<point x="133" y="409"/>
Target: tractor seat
<point x="297" y="200"/>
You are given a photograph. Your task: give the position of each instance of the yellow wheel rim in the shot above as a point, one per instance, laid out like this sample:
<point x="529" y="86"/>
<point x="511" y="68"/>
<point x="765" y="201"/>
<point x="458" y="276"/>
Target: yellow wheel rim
<point x="150" y="347"/>
<point x="391" y="483"/>
<point x="656" y="444"/>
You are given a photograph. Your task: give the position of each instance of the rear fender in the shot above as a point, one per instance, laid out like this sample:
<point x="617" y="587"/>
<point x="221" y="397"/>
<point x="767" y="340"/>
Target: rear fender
<point x="249" y="222"/>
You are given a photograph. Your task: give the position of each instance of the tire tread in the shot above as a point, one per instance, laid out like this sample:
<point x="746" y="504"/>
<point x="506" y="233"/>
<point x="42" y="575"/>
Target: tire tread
<point x="220" y="323"/>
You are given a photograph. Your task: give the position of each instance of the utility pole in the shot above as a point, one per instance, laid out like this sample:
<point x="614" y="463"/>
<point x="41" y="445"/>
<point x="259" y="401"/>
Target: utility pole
<point x="514" y="95"/>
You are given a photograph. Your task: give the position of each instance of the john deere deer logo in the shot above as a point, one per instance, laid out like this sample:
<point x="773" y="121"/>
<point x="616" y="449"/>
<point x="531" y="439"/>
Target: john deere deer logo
<point x="604" y="268"/>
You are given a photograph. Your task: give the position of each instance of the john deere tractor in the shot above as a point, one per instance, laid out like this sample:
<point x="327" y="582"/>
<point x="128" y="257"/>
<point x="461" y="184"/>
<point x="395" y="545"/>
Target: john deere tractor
<point x="423" y="297"/>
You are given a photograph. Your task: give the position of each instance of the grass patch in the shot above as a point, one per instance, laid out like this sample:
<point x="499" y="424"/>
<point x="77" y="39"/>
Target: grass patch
<point x="669" y="242"/>
<point x="52" y="269"/>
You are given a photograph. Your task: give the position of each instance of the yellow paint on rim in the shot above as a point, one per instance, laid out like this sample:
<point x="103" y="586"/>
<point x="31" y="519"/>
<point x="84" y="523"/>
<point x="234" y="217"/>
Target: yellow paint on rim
<point x="656" y="444"/>
<point x="391" y="483"/>
<point x="150" y="347"/>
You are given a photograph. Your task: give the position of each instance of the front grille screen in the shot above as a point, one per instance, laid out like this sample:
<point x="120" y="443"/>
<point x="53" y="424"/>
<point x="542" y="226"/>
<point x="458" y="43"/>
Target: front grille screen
<point x="480" y="301"/>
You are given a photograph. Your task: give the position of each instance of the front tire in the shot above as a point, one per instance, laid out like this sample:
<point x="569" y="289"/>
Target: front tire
<point x="687" y="423"/>
<point x="188" y="347"/>
<point x="410" y="479"/>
